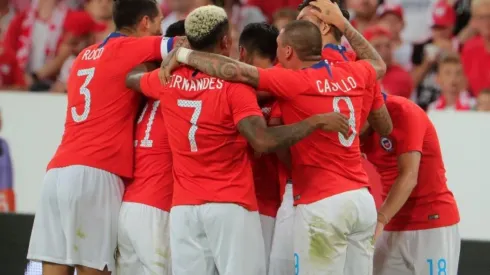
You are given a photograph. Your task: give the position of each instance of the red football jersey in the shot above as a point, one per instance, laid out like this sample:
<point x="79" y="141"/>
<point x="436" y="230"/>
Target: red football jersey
<point x="323" y="164"/>
<point x="211" y="160"/>
<point x="373" y="99"/>
<point x="431" y="204"/>
<point x="101" y="111"/>
<point x="152" y="182"/>
<point x="266" y="176"/>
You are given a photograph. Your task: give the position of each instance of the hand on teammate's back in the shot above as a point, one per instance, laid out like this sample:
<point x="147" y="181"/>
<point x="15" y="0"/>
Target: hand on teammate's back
<point x="335" y="122"/>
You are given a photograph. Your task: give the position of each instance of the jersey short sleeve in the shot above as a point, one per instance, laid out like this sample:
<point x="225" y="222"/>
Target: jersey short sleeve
<point x="410" y="132"/>
<point x="282" y="83"/>
<point x="378" y="100"/>
<point x="243" y="102"/>
<point x="150" y="84"/>
<point x="149" y="48"/>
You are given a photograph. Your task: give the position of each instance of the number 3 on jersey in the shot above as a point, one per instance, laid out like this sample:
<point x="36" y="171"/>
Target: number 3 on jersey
<point x="88" y="74"/>
<point x="197" y="106"/>
<point x="346" y="142"/>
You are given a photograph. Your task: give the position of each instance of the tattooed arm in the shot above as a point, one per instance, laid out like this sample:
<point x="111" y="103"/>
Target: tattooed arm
<point x="217" y="65"/>
<point x="363" y="49"/>
<point x="380" y="120"/>
<point x="263" y="139"/>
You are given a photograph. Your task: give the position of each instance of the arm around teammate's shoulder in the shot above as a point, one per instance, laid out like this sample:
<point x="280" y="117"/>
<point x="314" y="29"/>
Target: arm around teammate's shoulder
<point x="142" y="81"/>
<point x="268" y="139"/>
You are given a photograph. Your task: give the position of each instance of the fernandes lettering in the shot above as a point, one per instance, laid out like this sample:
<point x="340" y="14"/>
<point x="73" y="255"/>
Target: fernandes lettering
<point x="194" y="85"/>
<point x="344" y="85"/>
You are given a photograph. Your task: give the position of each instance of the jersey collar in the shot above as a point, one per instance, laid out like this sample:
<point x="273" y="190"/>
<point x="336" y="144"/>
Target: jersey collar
<point x="111" y="35"/>
<point x="338" y="48"/>
<point x="322" y="64"/>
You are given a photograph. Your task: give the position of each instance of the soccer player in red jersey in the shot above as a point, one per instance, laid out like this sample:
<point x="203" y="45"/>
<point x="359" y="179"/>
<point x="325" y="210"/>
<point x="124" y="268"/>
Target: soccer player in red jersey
<point x="77" y="220"/>
<point x="419" y="214"/>
<point x="257" y="46"/>
<point x="143" y="234"/>
<point x="373" y="104"/>
<point x="214" y="218"/>
<point x="327" y="170"/>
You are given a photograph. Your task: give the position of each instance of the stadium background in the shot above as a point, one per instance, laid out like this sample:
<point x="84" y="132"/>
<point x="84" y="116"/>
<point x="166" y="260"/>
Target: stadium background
<point x="32" y="108"/>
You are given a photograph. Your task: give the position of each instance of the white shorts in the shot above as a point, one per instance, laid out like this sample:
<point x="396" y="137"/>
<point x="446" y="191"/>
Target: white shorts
<point x="216" y="237"/>
<point x="282" y="252"/>
<point x="334" y="235"/>
<point x="267" y="223"/>
<point x="143" y="242"/>
<point x="418" y="252"/>
<point x="76" y="222"/>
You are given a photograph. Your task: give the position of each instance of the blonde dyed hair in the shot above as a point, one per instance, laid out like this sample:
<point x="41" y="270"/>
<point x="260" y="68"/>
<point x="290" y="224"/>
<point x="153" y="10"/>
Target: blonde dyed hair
<point x="203" y="20"/>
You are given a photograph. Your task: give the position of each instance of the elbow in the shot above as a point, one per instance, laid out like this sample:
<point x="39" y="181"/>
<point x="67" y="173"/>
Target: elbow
<point x="410" y="179"/>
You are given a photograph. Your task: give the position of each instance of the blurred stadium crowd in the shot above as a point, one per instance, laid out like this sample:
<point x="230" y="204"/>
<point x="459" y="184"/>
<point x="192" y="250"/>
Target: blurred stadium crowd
<point x="437" y="51"/>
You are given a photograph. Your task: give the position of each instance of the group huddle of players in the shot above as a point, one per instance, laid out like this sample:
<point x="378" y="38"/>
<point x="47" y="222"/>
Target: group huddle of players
<point x="209" y="165"/>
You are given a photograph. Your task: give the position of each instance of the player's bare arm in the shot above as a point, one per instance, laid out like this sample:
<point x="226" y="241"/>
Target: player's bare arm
<point x="380" y="120"/>
<point x="332" y="15"/>
<point x="211" y="64"/>
<point x="408" y="170"/>
<point x="134" y="77"/>
<point x="284" y="155"/>
<point x="264" y="139"/>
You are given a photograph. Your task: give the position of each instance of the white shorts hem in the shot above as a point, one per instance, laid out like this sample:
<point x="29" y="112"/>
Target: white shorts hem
<point x="68" y="262"/>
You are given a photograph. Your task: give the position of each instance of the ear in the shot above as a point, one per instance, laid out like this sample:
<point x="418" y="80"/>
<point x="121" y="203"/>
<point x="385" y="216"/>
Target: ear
<point x="325" y="28"/>
<point x="289" y="52"/>
<point x="242" y="53"/>
<point x="145" y="22"/>
<point x="226" y="42"/>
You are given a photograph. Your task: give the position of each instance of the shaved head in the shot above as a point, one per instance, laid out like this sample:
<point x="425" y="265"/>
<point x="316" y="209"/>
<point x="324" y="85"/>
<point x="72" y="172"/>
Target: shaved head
<point x="304" y="37"/>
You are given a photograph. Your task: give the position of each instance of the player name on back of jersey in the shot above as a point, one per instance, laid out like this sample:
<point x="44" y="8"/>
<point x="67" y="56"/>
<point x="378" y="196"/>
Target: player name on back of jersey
<point x="196" y="84"/>
<point x="343" y="85"/>
<point x="92" y="54"/>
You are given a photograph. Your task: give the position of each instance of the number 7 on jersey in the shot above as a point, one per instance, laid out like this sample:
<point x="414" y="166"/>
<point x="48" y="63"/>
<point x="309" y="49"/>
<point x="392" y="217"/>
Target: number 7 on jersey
<point x="197" y="106"/>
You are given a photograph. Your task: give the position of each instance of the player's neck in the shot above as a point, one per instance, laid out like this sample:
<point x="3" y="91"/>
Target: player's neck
<point x="262" y="62"/>
<point x="329" y="39"/>
<point x="128" y="32"/>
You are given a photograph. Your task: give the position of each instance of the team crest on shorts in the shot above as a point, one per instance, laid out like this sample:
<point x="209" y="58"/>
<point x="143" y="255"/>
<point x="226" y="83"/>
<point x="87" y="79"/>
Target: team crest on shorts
<point x="387" y="144"/>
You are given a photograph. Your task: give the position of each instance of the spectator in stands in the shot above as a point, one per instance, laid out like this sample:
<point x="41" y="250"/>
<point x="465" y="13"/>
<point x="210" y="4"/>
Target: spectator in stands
<point x="451" y="80"/>
<point x="397" y="81"/>
<point x="6" y="175"/>
<point x="391" y="16"/>
<point x="179" y="10"/>
<point x="242" y="15"/>
<point x="364" y="13"/>
<point x="283" y="16"/>
<point x="483" y="101"/>
<point x="268" y="7"/>
<point x="425" y="55"/>
<point x="11" y="76"/>
<point x="7" y="13"/>
<point x="35" y="36"/>
<point x="101" y="12"/>
<point x="476" y="53"/>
